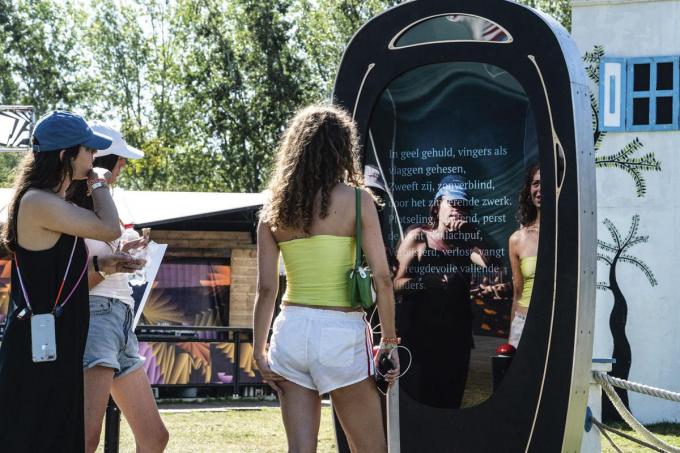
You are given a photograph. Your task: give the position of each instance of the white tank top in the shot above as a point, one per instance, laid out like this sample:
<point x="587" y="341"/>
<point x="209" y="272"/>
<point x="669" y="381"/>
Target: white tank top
<point x="114" y="285"/>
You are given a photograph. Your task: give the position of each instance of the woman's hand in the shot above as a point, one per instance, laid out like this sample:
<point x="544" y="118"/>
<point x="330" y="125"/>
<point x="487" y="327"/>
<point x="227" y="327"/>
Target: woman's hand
<point x="119" y="263"/>
<point x="268" y="376"/>
<point x="136" y="244"/>
<point x="393" y="374"/>
<point x="100" y="173"/>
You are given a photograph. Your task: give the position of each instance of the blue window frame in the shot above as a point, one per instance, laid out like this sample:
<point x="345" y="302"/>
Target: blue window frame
<point x="653" y="94"/>
<point x="612" y="108"/>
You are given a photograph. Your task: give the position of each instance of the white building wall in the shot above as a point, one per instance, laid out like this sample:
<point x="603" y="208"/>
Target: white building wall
<point x="639" y="28"/>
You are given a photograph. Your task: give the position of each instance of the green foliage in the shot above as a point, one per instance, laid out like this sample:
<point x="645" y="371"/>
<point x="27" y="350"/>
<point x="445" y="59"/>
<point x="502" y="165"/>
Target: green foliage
<point x="204" y="87"/>
<point x="44" y="63"/>
<point x="323" y="31"/>
<point x="559" y="9"/>
<point x="620" y="246"/>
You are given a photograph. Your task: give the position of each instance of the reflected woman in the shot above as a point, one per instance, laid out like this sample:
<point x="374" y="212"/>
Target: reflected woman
<point x="435" y="317"/>
<point x="523" y="248"/>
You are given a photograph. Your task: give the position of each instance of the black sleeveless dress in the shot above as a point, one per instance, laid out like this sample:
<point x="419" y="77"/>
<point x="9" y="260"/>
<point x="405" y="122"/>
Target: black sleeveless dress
<point x="41" y="404"/>
<point x="435" y="324"/>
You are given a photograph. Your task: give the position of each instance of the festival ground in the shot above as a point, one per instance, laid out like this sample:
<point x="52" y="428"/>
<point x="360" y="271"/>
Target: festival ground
<point x="250" y="426"/>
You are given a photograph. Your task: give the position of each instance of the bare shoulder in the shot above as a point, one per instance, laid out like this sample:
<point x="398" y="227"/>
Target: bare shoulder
<point x="516" y="237"/>
<point x="415" y="236"/>
<point x="39" y="200"/>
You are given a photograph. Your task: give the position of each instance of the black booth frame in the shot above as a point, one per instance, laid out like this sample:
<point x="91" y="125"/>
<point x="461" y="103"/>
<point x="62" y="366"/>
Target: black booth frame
<point x="541" y="403"/>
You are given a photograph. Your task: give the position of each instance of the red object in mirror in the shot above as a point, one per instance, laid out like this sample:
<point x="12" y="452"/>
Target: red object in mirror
<point x="505" y="349"/>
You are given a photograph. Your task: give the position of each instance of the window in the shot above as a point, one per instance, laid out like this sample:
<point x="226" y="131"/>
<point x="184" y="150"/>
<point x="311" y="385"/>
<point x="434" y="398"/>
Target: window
<point x="652" y="94"/>
<point x="639" y="94"/>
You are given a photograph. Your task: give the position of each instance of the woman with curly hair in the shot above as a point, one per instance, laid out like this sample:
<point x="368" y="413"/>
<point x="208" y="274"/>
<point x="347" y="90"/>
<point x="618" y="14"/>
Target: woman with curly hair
<point x="320" y="343"/>
<point x="523" y="248"/>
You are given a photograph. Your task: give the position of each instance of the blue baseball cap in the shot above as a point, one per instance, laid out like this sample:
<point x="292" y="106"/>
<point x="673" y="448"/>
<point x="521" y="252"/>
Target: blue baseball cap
<point x="454" y="188"/>
<point x="60" y="130"/>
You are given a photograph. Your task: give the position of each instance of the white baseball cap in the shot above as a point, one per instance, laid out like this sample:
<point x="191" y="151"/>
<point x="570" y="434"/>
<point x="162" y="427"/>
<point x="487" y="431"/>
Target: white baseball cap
<point x="119" y="147"/>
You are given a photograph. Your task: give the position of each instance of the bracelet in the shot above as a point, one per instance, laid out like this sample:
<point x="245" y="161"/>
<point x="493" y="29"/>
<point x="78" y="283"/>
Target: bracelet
<point x="96" y="184"/>
<point x="95" y="264"/>
<point x="390" y="343"/>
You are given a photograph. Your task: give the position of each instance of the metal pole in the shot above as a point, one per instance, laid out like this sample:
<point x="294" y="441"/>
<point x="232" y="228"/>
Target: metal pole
<point x="112" y="428"/>
<point x="237" y="362"/>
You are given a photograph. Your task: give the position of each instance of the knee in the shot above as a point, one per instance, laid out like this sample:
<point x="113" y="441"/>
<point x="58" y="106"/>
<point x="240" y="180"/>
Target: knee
<point x="302" y="445"/>
<point x="162" y="439"/>
<point x="156" y="441"/>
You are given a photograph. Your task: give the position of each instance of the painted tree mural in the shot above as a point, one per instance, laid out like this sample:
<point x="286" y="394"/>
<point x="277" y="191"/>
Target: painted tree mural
<point x="624" y="159"/>
<point x="613" y="253"/>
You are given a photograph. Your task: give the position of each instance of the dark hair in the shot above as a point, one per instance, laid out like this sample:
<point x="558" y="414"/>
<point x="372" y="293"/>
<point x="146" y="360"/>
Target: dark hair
<point x="38" y="170"/>
<point x="78" y="191"/>
<point x="527" y="212"/>
<point x="319" y="148"/>
<point x="433" y="215"/>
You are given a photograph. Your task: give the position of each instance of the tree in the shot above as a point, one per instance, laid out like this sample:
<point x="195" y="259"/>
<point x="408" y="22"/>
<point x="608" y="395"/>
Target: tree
<point x="42" y="53"/>
<point x="616" y="252"/>
<point x="559" y="9"/>
<point x="323" y="31"/>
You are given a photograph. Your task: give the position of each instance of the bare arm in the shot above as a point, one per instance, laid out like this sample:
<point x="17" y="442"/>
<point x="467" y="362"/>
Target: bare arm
<point x="267" y="288"/>
<point x="517" y="279"/>
<point x="50" y="212"/>
<point x="406" y="253"/>
<point x="374" y="248"/>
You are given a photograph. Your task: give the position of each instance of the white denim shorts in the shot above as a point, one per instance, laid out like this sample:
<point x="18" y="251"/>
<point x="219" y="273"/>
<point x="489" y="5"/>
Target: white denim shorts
<point x="516" y="328"/>
<point x="319" y="349"/>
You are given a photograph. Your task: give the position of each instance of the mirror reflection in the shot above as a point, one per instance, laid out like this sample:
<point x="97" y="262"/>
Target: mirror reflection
<point x="452" y="28"/>
<point x="450" y="148"/>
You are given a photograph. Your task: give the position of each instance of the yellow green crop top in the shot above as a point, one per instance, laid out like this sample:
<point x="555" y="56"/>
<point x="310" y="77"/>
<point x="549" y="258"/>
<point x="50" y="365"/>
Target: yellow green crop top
<point x="528" y="267"/>
<point x="316" y="269"/>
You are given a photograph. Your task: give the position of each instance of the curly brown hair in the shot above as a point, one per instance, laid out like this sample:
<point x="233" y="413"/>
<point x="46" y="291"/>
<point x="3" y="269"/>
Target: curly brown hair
<point x="527" y="212"/>
<point x="318" y="149"/>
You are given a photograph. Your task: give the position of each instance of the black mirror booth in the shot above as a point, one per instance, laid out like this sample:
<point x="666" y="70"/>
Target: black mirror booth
<point x="476" y="92"/>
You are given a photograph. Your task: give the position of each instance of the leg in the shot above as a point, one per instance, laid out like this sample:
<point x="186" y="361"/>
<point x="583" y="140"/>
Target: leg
<point x="97" y="384"/>
<point x="358" y="408"/>
<point x="132" y="393"/>
<point x="301" y="411"/>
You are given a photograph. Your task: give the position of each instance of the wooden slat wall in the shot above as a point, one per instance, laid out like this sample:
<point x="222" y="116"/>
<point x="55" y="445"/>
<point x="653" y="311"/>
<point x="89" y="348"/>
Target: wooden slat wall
<point x="236" y="245"/>
<point x="202" y="244"/>
<point x="243" y="286"/>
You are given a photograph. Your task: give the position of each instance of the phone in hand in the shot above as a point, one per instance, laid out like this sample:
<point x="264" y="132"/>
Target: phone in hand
<point x="385" y="364"/>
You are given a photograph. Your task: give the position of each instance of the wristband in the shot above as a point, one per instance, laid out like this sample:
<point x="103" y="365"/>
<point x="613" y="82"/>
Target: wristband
<point x="95" y="264"/>
<point x="390" y="343"/>
<point x="93" y="184"/>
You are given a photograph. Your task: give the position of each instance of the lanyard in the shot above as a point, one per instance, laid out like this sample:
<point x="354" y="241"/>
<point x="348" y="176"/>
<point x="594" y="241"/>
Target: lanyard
<point x="57" y="308"/>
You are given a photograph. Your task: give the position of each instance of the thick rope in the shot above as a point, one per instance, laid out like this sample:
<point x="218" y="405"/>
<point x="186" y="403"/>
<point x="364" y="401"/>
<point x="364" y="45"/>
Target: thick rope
<point x="601" y="377"/>
<point x="632" y="421"/>
<point x="604" y="428"/>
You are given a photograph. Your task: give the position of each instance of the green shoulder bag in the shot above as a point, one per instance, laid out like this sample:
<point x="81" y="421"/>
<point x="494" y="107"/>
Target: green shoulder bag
<point x="360" y="293"/>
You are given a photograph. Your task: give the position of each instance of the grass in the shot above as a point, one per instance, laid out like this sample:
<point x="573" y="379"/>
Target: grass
<point x="668" y="432"/>
<point x="260" y="430"/>
<point x="230" y="431"/>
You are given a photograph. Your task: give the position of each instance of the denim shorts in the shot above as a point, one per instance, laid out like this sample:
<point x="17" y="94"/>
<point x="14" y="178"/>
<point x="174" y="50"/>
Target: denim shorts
<point x="111" y="343"/>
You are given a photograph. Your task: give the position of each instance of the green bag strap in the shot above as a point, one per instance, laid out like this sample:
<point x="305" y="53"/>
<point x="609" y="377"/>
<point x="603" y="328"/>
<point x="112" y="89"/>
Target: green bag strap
<point x="359" y="255"/>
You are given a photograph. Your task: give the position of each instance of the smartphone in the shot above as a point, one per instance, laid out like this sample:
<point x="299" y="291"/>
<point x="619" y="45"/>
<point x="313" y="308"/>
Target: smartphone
<point x="385" y="364"/>
<point x="43" y="339"/>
